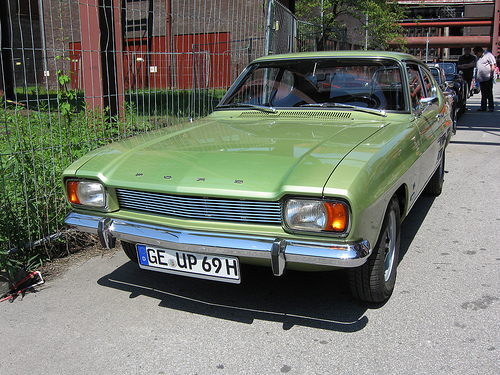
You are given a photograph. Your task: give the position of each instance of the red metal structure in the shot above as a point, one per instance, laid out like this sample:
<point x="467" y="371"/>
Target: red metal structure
<point x="198" y="55"/>
<point x="102" y="67"/>
<point x="496" y="28"/>
<point x="107" y="61"/>
<point x="448" y="41"/>
<point x="491" y="42"/>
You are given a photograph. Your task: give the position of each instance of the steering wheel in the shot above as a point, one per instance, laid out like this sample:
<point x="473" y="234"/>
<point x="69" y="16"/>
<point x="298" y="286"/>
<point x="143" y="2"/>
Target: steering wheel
<point x="372" y="101"/>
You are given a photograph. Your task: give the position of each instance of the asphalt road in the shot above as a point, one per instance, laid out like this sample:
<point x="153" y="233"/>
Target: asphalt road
<point x="105" y="316"/>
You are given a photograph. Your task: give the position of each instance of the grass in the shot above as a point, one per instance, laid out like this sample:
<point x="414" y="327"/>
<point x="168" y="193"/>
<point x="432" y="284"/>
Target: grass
<point x="38" y="140"/>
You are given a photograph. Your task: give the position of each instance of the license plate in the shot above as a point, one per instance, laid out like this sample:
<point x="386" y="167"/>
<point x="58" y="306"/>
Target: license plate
<point x="204" y="266"/>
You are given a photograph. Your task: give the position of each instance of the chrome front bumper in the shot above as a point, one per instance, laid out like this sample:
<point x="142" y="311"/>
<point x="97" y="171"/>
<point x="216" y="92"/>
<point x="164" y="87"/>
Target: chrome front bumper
<point x="278" y="251"/>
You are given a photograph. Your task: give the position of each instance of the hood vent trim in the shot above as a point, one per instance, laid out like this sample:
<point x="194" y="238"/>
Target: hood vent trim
<point x="322" y="115"/>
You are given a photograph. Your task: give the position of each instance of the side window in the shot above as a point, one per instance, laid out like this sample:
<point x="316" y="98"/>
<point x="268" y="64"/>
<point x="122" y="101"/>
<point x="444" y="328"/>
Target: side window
<point x="430" y="84"/>
<point x="417" y="91"/>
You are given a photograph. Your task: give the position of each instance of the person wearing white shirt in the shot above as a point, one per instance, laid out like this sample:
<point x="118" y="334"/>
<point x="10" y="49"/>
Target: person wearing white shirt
<point x="485" y="65"/>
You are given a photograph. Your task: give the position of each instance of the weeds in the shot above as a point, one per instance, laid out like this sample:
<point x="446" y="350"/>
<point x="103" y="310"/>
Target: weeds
<point x="42" y="134"/>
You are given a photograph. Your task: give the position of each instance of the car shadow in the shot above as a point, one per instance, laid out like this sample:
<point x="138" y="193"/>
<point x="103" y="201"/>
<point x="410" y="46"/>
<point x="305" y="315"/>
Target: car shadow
<point x="312" y="299"/>
<point x="413" y="222"/>
<point x="477" y="121"/>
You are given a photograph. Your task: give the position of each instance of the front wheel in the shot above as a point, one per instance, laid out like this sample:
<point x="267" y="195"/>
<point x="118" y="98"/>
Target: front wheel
<point x="374" y="281"/>
<point x="435" y="184"/>
<point x="130" y="251"/>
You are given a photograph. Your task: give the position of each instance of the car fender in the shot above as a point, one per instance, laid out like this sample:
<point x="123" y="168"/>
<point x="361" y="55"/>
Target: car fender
<point x="372" y="173"/>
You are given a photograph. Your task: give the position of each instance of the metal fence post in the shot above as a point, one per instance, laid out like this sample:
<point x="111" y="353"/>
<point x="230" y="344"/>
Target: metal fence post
<point x="250" y="47"/>
<point x="269" y="27"/>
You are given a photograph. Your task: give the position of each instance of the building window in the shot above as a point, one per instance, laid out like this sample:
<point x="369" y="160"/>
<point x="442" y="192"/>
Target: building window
<point x="28" y="8"/>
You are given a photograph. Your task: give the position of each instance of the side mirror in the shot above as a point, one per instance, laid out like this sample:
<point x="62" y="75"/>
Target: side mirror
<point x="428" y="101"/>
<point x="424" y="103"/>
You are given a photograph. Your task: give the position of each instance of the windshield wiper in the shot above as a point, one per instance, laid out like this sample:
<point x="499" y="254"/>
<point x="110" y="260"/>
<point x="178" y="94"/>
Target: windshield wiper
<point x="375" y="111"/>
<point x="262" y="108"/>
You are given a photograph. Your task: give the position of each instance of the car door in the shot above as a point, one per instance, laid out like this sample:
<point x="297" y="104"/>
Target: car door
<point x="429" y="115"/>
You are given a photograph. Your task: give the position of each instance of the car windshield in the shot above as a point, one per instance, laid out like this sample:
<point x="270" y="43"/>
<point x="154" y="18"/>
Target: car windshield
<point x="449" y="68"/>
<point x="436" y="72"/>
<point x="327" y="83"/>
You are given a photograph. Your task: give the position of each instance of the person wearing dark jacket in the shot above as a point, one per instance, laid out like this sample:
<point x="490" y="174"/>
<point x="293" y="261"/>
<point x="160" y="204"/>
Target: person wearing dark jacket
<point x="467" y="63"/>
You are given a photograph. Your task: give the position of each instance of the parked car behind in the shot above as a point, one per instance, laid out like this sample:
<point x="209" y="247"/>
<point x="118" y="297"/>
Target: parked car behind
<point x="461" y="86"/>
<point x="311" y="162"/>
<point x="449" y="92"/>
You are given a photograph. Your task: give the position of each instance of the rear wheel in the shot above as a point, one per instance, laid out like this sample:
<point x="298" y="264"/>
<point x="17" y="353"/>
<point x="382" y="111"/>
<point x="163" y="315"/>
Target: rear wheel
<point x="374" y="281"/>
<point x="130" y="251"/>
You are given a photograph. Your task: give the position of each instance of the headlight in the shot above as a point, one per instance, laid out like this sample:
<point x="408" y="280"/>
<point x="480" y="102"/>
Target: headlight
<point x="86" y="193"/>
<point x="316" y="215"/>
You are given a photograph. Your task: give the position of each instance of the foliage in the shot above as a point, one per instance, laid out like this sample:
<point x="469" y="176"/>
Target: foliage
<point x="176" y="103"/>
<point x="35" y="147"/>
<point x="66" y="95"/>
<point x="42" y="134"/>
<point x="9" y="264"/>
<point x="382" y="16"/>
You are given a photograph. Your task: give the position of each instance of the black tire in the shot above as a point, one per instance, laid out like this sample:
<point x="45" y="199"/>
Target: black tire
<point x="130" y="251"/>
<point x="464" y="101"/>
<point x="461" y="100"/>
<point x="454" y="121"/>
<point x="435" y="184"/>
<point x="374" y="281"/>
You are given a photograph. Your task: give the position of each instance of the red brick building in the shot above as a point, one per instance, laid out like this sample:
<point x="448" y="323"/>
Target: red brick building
<point x="140" y="43"/>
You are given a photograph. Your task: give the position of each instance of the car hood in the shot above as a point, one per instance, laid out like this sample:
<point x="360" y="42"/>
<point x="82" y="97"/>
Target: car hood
<point x="229" y="157"/>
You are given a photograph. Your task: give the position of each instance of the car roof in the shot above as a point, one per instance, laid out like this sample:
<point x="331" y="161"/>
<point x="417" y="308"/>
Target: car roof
<point x="340" y="54"/>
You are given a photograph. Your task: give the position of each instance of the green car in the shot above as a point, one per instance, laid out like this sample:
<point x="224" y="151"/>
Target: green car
<point x="310" y="162"/>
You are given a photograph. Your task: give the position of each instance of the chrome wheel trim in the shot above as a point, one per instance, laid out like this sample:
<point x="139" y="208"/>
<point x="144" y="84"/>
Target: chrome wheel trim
<point x="390" y="245"/>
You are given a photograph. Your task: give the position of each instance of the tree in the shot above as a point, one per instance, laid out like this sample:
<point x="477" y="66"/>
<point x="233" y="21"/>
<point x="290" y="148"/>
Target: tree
<point x="377" y="16"/>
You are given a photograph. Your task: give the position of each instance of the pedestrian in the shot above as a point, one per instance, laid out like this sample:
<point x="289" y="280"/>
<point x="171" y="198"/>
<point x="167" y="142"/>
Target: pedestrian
<point x="467" y="63"/>
<point x="485" y="65"/>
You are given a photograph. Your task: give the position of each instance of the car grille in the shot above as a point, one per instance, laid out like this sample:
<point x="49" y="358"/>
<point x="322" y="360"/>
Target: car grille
<point x="200" y="208"/>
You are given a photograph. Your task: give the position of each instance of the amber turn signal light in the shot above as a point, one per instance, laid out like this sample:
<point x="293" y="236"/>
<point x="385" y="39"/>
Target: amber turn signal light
<point x="71" y="187"/>
<point x="337" y="217"/>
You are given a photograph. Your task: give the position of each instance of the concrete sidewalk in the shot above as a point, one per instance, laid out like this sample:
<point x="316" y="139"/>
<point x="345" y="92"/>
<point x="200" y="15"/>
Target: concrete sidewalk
<point x="474" y="102"/>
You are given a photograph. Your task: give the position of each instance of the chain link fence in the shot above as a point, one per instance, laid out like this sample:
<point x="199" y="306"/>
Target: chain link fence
<point x="287" y="34"/>
<point x="281" y="30"/>
<point x="75" y="75"/>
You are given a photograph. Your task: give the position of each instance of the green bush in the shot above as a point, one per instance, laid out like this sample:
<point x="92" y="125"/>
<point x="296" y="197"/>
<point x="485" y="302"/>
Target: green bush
<point x="42" y="134"/>
<point x="35" y="147"/>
